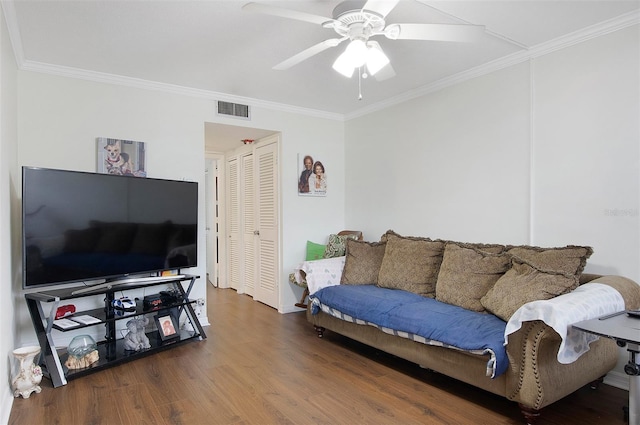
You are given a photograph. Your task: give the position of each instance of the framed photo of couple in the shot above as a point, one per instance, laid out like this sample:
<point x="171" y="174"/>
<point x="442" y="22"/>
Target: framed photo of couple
<point x="312" y="178"/>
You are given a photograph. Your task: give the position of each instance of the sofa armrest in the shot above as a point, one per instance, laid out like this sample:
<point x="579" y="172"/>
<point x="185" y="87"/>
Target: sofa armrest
<point x="629" y="289"/>
<point x="536" y="379"/>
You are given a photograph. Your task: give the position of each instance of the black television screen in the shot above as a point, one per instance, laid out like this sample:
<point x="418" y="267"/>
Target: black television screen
<point x="79" y="226"/>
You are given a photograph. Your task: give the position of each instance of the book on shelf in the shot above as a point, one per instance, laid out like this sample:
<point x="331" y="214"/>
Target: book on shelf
<point x="85" y="319"/>
<point x="64" y="324"/>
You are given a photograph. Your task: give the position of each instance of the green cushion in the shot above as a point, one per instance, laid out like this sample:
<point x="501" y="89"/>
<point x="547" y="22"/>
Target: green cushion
<point x="315" y="251"/>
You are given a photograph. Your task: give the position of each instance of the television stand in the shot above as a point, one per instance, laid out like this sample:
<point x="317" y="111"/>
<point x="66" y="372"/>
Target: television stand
<point x="111" y="350"/>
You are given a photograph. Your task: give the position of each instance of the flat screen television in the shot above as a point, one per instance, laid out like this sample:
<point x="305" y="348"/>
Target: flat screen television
<point x="89" y="227"/>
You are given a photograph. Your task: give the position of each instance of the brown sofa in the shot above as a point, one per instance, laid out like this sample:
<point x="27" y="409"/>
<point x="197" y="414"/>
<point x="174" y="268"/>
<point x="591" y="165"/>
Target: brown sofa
<point x="534" y="378"/>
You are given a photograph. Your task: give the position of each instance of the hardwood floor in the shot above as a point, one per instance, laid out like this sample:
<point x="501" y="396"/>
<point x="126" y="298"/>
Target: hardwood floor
<point x="261" y="367"/>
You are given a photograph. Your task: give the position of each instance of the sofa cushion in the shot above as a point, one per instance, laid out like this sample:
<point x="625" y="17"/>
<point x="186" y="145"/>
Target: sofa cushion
<point x="363" y="261"/>
<point x="411" y="264"/>
<point x="336" y="246"/>
<point x="468" y="272"/>
<point x="315" y="251"/>
<point x="570" y="259"/>
<point x="421" y="319"/>
<point x="524" y="283"/>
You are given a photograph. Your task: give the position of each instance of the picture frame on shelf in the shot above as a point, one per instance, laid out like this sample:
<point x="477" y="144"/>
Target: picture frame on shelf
<point x="167" y="325"/>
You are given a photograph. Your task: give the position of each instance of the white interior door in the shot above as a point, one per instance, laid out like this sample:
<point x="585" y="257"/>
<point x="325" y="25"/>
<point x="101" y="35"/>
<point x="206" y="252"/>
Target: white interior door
<point x="248" y="215"/>
<point x="210" y="206"/>
<point x="267" y="219"/>
<point x="234" y="259"/>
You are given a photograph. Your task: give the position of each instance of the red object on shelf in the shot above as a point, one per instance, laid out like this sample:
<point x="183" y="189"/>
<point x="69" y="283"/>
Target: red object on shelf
<point x="247" y="141"/>
<point x="65" y="310"/>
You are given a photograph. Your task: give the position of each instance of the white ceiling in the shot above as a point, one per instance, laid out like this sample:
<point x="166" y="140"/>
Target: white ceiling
<point x="213" y="47"/>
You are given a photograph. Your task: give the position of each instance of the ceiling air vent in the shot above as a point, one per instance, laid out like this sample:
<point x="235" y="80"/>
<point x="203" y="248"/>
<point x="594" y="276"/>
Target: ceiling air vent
<point x="233" y="109"/>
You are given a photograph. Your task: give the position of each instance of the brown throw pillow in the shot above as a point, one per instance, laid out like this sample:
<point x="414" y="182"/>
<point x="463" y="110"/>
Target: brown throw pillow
<point x="411" y="264"/>
<point x="468" y="272"/>
<point x="524" y="283"/>
<point x="362" y="262"/>
<point x="570" y="259"/>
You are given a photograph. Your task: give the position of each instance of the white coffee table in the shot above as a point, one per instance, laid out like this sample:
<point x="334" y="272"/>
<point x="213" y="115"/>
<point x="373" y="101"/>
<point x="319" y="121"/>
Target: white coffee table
<point x="626" y="332"/>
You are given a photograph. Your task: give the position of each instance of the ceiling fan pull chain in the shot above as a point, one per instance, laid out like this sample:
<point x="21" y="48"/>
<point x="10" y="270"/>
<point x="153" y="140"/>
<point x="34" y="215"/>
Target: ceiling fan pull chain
<point x="359" y="83"/>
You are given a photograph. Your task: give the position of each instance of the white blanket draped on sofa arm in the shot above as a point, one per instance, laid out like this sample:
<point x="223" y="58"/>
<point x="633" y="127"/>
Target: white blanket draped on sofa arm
<point x="588" y="301"/>
<point x="320" y="273"/>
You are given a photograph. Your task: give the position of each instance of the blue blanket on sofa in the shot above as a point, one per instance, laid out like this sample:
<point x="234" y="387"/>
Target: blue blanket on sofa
<point x="431" y="319"/>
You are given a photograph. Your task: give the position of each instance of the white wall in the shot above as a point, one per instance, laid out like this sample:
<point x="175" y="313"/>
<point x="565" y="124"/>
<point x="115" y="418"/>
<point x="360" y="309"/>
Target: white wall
<point x="59" y="120"/>
<point x="586" y="159"/>
<point x="451" y="165"/>
<point x="544" y="153"/>
<point x="8" y="142"/>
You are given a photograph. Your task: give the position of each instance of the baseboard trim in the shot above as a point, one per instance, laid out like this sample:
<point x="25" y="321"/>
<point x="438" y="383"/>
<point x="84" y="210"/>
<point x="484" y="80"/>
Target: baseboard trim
<point x="6" y="404"/>
<point x="618" y="380"/>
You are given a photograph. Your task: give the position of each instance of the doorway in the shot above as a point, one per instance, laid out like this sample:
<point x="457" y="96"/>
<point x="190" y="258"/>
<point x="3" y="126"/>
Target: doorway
<point x="222" y="142"/>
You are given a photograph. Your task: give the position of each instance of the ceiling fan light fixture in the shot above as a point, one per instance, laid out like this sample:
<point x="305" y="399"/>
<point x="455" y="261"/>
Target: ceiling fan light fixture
<point x="376" y="59"/>
<point x="357" y="53"/>
<point x="354" y="56"/>
<point x="343" y="65"/>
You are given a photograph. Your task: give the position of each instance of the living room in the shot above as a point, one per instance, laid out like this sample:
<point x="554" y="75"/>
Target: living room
<point x="543" y="151"/>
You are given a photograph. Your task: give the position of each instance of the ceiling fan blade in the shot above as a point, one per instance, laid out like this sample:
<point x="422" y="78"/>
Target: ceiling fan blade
<point x="385" y="73"/>
<point x="307" y="53"/>
<point x="382" y="7"/>
<point x="285" y="13"/>
<point x="439" y="32"/>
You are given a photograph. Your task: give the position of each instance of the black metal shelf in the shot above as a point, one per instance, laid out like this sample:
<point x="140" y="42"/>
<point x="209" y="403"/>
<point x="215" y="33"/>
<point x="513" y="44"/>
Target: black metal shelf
<point x="113" y="353"/>
<point x="111" y="350"/>
<point x="103" y="314"/>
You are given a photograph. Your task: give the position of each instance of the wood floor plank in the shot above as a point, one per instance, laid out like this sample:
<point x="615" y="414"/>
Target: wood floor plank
<point x="136" y="406"/>
<point x="261" y="367"/>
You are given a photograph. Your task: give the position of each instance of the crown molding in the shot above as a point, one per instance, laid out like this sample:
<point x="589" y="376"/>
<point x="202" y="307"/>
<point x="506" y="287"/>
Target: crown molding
<point x="585" y="34"/>
<point x="101" y="77"/>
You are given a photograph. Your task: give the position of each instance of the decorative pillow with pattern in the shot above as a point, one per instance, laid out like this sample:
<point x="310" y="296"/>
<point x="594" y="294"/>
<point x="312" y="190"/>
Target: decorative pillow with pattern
<point x="363" y="261"/>
<point x="336" y="247"/>
<point x="524" y="283"/>
<point x="468" y="272"/>
<point x="411" y="263"/>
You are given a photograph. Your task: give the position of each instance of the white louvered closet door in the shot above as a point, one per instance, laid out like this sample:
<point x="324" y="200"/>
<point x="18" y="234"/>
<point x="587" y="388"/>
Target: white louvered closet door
<point x="233" y="225"/>
<point x="266" y="163"/>
<point x="248" y="219"/>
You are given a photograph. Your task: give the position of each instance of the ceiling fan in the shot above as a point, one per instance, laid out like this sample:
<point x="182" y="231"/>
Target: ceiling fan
<point x="358" y="21"/>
